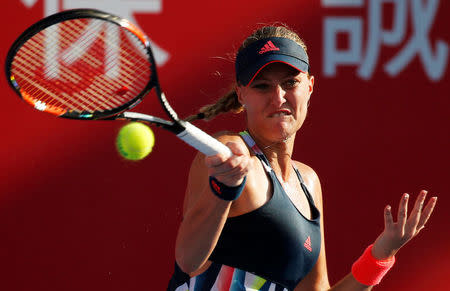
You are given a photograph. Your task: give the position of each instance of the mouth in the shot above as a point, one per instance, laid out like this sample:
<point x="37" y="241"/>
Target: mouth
<point x="280" y="113"/>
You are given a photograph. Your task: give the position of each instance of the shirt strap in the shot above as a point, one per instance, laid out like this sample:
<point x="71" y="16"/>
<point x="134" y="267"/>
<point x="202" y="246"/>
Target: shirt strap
<point x="258" y="152"/>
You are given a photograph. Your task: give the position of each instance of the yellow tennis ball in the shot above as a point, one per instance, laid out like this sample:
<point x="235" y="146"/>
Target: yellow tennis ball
<point x="135" y="141"/>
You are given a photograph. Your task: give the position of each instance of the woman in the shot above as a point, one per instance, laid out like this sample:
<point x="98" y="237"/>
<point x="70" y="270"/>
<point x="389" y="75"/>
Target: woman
<point x="253" y="221"/>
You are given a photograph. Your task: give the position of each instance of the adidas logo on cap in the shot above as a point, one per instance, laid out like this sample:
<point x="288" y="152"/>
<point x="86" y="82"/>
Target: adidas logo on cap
<point x="269" y="46"/>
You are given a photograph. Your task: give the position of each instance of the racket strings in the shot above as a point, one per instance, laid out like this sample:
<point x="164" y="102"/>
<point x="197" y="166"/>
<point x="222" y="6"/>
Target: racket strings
<point x="28" y="63"/>
<point x="45" y="93"/>
<point x="67" y="74"/>
<point x="115" y="46"/>
<point x="131" y="60"/>
<point x="99" y="69"/>
<point x="103" y="85"/>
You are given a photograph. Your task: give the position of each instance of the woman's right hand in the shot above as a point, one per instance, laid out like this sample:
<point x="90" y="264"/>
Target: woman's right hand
<point x="229" y="171"/>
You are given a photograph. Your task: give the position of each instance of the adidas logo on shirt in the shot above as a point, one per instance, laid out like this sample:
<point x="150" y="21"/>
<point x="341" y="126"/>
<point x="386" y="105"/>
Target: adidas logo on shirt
<point x="307" y="244"/>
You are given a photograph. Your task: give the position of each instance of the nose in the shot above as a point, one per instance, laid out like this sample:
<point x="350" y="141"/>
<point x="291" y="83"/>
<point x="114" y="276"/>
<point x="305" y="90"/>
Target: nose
<point x="279" y="96"/>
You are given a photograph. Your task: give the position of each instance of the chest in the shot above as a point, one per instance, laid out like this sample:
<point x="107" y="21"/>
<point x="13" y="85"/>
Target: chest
<point x="296" y="195"/>
<point x="275" y="232"/>
<point x="260" y="188"/>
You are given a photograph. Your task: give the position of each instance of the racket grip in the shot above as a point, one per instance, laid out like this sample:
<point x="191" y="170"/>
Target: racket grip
<point x="202" y="141"/>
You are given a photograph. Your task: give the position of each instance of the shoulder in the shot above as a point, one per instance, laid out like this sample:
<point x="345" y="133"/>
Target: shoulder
<point x="312" y="181"/>
<point x="309" y="175"/>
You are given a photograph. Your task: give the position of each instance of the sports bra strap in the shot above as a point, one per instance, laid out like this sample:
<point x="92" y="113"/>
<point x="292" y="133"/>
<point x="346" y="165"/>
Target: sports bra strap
<point x="265" y="162"/>
<point x="258" y="152"/>
<point x="297" y="171"/>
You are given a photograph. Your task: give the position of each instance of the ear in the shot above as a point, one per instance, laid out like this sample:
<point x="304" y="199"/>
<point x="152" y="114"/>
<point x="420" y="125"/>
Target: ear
<point x="239" y="93"/>
<point x="311" y="85"/>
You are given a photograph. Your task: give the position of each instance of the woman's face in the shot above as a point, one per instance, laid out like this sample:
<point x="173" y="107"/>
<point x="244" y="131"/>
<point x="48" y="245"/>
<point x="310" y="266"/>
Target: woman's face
<point x="276" y="101"/>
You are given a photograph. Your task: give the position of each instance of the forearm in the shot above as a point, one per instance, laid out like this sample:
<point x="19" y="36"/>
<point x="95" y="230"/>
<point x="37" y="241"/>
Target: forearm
<point x="349" y="283"/>
<point x="199" y="233"/>
<point x="366" y="272"/>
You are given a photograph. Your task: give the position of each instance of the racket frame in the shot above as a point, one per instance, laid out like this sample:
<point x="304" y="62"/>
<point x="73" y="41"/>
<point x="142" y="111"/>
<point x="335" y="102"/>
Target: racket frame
<point x="184" y="130"/>
<point x="115" y="113"/>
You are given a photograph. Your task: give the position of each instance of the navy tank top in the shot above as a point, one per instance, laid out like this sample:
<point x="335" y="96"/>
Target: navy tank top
<point x="274" y="244"/>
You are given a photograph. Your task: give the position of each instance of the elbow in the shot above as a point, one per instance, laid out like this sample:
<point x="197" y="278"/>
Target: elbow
<point x="183" y="264"/>
<point x="323" y="286"/>
<point x="182" y="254"/>
<point x="184" y="267"/>
<point x="183" y="261"/>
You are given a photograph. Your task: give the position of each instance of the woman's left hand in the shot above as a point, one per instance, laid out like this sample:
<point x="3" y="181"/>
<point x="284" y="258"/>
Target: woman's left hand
<point x="397" y="234"/>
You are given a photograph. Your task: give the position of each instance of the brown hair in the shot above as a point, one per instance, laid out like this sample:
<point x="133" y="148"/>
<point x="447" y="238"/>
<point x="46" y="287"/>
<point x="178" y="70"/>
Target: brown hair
<point x="229" y="101"/>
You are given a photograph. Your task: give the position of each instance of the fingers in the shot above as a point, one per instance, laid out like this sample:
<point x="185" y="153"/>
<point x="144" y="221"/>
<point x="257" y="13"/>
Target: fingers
<point x="420" y="202"/>
<point x="426" y="213"/>
<point x="417" y="210"/>
<point x="230" y="171"/>
<point x="388" y="220"/>
<point x="221" y="163"/>
<point x="408" y="227"/>
<point x="413" y="220"/>
<point x="402" y="214"/>
<point x="236" y="148"/>
<point x="397" y="234"/>
<point x="420" y="215"/>
<point x="216" y="160"/>
<point x="235" y="165"/>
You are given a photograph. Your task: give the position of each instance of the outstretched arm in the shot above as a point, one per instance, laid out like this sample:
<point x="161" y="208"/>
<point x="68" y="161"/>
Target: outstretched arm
<point x="395" y="235"/>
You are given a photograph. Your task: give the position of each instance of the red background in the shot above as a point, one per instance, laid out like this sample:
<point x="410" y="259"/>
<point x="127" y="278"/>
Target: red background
<point x="75" y="216"/>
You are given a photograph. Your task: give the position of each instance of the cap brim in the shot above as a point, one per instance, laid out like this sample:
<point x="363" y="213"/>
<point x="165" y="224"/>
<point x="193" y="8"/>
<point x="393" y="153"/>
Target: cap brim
<point x="252" y="71"/>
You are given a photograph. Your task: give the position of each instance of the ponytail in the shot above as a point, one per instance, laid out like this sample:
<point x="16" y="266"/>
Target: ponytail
<point x="228" y="102"/>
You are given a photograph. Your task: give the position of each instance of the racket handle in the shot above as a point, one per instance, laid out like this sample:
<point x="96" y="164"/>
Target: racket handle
<point x="202" y="141"/>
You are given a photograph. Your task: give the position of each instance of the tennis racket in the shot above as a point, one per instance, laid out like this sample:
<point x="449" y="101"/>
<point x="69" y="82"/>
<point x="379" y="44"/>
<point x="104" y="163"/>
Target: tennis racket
<point x="91" y="65"/>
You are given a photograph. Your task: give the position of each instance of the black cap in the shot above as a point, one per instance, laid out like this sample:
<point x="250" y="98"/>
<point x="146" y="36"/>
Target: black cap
<point x="253" y="58"/>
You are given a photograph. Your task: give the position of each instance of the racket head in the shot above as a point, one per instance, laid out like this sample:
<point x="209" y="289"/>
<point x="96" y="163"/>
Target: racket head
<point x="82" y="64"/>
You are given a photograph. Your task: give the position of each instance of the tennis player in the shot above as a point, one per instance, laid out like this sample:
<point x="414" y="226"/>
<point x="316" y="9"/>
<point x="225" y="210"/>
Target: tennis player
<point x="254" y="221"/>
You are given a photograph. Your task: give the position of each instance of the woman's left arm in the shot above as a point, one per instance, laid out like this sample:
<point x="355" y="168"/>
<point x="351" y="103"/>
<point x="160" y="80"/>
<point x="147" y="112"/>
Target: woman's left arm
<point x="395" y="235"/>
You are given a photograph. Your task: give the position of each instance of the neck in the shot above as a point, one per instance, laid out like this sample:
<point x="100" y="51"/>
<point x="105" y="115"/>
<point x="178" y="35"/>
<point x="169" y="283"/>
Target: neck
<point x="278" y="153"/>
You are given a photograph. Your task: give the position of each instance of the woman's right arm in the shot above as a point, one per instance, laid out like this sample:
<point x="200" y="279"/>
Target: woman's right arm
<point x="204" y="214"/>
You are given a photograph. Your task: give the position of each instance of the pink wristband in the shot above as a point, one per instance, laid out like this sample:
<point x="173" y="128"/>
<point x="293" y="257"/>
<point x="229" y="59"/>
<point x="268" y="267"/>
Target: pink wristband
<point x="368" y="270"/>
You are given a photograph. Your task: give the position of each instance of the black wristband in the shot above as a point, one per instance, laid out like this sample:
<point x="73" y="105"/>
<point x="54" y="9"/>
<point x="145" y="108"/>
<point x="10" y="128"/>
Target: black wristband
<point x="225" y="192"/>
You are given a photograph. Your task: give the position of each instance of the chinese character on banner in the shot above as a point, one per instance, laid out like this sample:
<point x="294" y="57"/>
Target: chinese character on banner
<point x="122" y="8"/>
<point x="422" y="15"/>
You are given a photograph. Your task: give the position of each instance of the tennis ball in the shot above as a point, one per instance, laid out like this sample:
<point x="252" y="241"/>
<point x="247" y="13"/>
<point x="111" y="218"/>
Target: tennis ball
<point x="135" y="141"/>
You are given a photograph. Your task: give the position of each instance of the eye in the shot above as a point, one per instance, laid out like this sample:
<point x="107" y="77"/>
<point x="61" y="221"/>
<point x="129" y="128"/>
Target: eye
<point x="260" y="86"/>
<point x="291" y="83"/>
